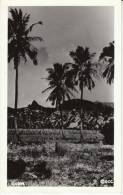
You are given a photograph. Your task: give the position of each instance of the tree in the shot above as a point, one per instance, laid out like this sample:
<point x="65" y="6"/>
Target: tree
<point x="20" y="44"/>
<point x="107" y="56"/>
<point x="83" y="71"/>
<point x="60" y="83"/>
<point x="108" y="132"/>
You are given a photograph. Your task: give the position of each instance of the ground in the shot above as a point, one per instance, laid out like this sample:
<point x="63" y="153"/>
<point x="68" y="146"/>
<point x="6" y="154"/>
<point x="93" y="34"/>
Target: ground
<point x="72" y="164"/>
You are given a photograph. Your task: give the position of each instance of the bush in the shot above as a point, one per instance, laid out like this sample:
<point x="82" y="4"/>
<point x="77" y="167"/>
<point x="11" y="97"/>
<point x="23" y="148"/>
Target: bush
<point x="107" y="157"/>
<point x="108" y="132"/>
<point x="15" y="169"/>
<point x="42" y="171"/>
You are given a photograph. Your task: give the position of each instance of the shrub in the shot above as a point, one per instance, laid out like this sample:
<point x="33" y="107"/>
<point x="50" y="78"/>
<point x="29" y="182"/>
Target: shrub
<point x="107" y="157"/>
<point x="108" y="132"/>
<point x="42" y="170"/>
<point x="15" y="169"/>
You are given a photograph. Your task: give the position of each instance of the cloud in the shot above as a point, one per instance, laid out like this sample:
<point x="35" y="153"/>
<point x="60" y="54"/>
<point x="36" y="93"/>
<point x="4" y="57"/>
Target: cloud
<point x="42" y="56"/>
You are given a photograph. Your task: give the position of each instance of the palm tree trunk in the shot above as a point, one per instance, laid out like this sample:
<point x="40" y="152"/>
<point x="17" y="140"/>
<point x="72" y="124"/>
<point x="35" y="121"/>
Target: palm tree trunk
<point x="81" y="112"/>
<point x="16" y="137"/>
<point x="16" y="96"/>
<point x="62" y="125"/>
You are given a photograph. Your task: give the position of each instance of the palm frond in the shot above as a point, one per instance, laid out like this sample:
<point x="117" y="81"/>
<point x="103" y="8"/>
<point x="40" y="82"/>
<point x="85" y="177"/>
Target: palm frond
<point x="19" y="41"/>
<point x="32" y="53"/>
<point x="34" y="38"/>
<point x="107" y="56"/>
<point x="107" y="51"/>
<point x="47" y="89"/>
<point x="60" y="80"/>
<point x="109" y="73"/>
<point x="83" y="70"/>
<point x="32" y="26"/>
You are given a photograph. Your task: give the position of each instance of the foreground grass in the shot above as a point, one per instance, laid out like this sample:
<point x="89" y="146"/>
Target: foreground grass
<point x="76" y="165"/>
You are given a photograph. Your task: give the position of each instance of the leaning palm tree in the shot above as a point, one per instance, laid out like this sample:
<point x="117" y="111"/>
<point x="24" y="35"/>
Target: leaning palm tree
<point x="61" y="86"/>
<point x="20" y="44"/>
<point x="83" y="71"/>
<point x="107" y="56"/>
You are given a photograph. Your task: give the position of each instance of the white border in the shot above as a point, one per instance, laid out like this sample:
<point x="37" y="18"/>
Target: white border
<point x="3" y="94"/>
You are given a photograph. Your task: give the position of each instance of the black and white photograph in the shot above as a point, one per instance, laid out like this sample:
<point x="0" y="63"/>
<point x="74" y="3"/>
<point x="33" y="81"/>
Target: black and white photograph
<point x="60" y="112"/>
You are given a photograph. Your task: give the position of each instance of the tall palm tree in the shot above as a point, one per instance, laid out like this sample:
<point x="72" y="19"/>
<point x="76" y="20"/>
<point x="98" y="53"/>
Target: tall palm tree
<point x="20" y="44"/>
<point x="61" y="85"/>
<point x="83" y="71"/>
<point x="107" y="56"/>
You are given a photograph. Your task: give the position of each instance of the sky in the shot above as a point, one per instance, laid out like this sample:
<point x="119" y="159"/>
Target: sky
<point x="63" y="29"/>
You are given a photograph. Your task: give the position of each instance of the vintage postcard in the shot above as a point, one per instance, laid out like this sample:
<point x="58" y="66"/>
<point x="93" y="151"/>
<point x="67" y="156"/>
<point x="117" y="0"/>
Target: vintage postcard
<point x="60" y="102"/>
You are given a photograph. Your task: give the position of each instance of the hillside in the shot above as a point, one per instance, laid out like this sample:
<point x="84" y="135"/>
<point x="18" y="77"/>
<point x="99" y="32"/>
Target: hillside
<point x="95" y="114"/>
<point x="33" y="106"/>
<point x="87" y="105"/>
<point x="69" y="106"/>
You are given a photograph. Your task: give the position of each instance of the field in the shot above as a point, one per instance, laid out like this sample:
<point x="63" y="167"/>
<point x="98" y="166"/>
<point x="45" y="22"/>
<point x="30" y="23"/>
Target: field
<point x="60" y="162"/>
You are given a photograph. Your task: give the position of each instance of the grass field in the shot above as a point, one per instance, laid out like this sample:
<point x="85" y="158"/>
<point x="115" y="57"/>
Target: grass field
<point x="68" y="163"/>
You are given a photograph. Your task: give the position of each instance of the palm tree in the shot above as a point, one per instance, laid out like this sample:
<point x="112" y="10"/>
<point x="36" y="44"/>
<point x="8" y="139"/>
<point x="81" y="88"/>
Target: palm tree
<point x="61" y="86"/>
<point x="20" y="44"/>
<point x="83" y="71"/>
<point x="107" y="56"/>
